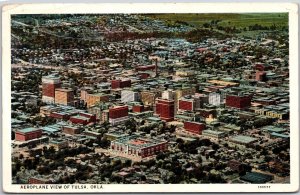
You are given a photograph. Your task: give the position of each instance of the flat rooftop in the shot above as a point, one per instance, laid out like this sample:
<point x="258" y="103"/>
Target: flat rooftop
<point x="274" y="129"/>
<point x="213" y="132"/>
<point x="243" y="139"/>
<point x="80" y="117"/>
<point x="280" y="135"/>
<point x="138" y="142"/>
<point x="116" y="133"/>
<point x="28" y="130"/>
<point x="64" y="90"/>
<point x="58" y="141"/>
<point x="51" y="129"/>
<point x="255" y="177"/>
<point x="225" y="83"/>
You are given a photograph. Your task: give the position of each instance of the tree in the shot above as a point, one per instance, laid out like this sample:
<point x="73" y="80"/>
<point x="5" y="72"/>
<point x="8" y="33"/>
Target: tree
<point x="215" y="146"/>
<point x="130" y="124"/>
<point x="199" y="159"/>
<point x="51" y="150"/>
<point x="21" y="156"/>
<point x="160" y="156"/>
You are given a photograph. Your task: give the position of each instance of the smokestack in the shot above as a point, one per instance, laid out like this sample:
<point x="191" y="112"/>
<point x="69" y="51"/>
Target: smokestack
<point x="156" y="73"/>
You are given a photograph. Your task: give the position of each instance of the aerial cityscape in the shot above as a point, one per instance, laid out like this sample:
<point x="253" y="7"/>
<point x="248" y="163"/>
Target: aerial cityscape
<point x="150" y="98"/>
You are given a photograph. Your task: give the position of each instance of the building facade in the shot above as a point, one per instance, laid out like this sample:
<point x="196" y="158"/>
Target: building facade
<point x="129" y="96"/>
<point x="118" y="114"/>
<point x="71" y="130"/>
<point x="165" y="109"/>
<point x="238" y="101"/>
<point x="93" y="99"/>
<point x="136" y="146"/>
<point x="189" y="103"/>
<point x="120" y="84"/>
<point x="168" y="95"/>
<point x="83" y="118"/>
<point x="49" y="84"/>
<point x="138" y="108"/>
<point x="148" y="97"/>
<point x="183" y="92"/>
<point x="28" y="134"/>
<point x="214" y="99"/>
<point x="260" y="76"/>
<point x="64" y="96"/>
<point x="213" y="134"/>
<point x="194" y="127"/>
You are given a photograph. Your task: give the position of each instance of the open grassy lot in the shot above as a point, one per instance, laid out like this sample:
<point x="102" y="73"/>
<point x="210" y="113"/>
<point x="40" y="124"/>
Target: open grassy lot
<point x="237" y="20"/>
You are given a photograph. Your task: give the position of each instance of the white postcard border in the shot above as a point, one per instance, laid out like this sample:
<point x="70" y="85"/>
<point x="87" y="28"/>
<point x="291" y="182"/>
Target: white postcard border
<point x="291" y="8"/>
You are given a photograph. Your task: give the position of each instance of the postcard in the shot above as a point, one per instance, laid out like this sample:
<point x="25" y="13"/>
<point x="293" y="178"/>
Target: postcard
<point x="150" y="97"/>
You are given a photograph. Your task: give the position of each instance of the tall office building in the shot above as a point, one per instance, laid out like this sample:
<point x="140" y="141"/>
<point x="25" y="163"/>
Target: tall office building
<point x="189" y="103"/>
<point x="50" y="83"/>
<point x="194" y="127"/>
<point x="168" y="94"/>
<point x="64" y="96"/>
<point x="120" y="84"/>
<point x="238" y="101"/>
<point x="214" y="99"/>
<point x="129" y="96"/>
<point x="118" y="114"/>
<point x="148" y="97"/>
<point x="92" y="99"/>
<point x="182" y="92"/>
<point x="165" y="109"/>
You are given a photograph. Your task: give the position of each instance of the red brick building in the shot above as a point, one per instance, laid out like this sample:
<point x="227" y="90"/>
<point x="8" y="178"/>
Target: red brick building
<point x="194" y="127"/>
<point x="263" y="67"/>
<point x="71" y="130"/>
<point x="138" y="108"/>
<point x="238" y="101"/>
<point x="79" y="120"/>
<point x="83" y="118"/>
<point x="165" y="109"/>
<point x="35" y="180"/>
<point x="58" y="115"/>
<point x="144" y="75"/>
<point x="137" y="146"/>
<point x="28" y="134"/>
<point x="91" y="117"/>
<point x="49" y="84"/>
<point x="118" y="114"/>
<point x="120" y="84"/>
<point x="186" y="104"/>
<point x="208" y="112"/>
<point x="265" y="102"/>
<point x="144" y="68"/>
<point x="260" y="76"/>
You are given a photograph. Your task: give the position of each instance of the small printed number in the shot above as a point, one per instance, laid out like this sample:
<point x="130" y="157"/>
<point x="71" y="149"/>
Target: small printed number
<point x="264" y="186"/>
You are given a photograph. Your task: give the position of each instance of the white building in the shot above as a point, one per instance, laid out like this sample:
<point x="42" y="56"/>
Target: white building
<point x="168" y="95"/>
<point x="117" y="121"/>
<point x="129" y="96"/>
<point x="214" y="99"/>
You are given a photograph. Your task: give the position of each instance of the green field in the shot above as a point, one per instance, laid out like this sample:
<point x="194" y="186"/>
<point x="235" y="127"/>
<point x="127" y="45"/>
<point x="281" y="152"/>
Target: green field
<point x="237" y="20"/>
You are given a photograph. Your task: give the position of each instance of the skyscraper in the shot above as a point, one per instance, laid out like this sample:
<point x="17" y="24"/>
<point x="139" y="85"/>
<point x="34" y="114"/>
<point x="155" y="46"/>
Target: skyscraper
<point x="118" y="114"/>
<point x="64" y="96"/>
<point x="50" y="83"/>
<point x="165" y="109"/>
